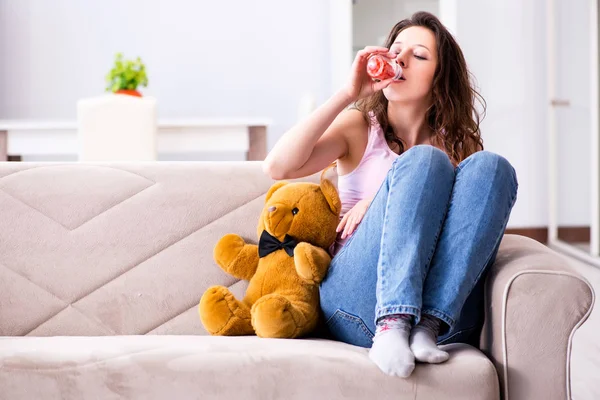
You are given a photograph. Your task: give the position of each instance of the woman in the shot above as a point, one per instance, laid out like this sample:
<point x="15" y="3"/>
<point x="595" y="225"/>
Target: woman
<point x="424" y="208"/>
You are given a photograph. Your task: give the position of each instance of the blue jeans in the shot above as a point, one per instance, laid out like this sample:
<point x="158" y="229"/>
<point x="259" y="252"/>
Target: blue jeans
<point x="423" y="247"/>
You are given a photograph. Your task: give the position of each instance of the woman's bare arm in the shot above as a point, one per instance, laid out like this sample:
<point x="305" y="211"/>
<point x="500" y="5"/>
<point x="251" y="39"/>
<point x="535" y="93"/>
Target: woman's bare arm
<point x="313" y="143"/>
<point x="321" y="138"/>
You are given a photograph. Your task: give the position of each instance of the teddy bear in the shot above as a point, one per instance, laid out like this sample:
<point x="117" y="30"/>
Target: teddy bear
<point x="296" y="228"/>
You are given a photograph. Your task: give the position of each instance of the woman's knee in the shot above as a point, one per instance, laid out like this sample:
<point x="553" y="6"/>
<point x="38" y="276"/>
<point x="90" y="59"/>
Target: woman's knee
<point x="423" y="157"/>
<point x="491" y="164"/>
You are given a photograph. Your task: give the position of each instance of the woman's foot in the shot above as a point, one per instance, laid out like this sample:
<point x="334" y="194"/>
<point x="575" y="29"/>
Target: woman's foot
<point x="423" y="341"/>
<point x="390" y="350"/>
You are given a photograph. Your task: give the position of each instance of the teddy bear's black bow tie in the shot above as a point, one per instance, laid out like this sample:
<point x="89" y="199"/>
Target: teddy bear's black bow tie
<point x="269" y="243"/>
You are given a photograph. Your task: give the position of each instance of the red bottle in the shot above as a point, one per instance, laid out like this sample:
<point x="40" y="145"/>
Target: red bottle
<point x="382" y="68"/>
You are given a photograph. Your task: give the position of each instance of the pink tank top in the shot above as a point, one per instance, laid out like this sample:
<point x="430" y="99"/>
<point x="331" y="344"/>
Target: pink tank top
<point x="366" y="179"/>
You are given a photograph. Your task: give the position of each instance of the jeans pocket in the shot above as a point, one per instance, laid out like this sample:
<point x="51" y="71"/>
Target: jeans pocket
<point x="350" y="329"/>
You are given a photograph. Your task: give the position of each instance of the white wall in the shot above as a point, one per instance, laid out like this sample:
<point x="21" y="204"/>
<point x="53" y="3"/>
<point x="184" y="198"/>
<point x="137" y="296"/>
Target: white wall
<point x="373" y="19"/>
<point x="205" y="58"/>
<point x="573" y="123"/>
<point x="505" y="46"/>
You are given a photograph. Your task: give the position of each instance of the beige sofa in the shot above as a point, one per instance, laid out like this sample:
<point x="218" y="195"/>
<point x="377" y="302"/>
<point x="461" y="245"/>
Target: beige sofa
<point x="102" y="267"/>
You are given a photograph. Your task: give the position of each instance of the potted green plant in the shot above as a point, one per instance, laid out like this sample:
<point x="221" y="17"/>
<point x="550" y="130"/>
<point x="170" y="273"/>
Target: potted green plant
<point x="126" y="76"/>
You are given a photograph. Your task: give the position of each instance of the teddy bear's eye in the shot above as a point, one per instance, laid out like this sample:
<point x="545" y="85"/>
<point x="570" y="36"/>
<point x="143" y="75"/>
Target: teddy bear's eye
<point x="295" y="211"/>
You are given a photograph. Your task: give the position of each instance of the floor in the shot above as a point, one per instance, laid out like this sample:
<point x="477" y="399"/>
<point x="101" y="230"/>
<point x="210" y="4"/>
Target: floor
<point x="585" y="357"/>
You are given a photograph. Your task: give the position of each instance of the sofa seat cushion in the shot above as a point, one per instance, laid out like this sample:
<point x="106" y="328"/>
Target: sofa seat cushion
<point x="205" y="367"/>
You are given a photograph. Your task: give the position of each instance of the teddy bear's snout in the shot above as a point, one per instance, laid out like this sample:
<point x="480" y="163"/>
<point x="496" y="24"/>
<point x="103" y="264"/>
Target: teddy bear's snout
<point x="278" y="219"/>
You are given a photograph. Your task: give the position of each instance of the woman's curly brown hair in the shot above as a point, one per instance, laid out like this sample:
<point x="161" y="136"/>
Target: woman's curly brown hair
<point x="452" y="116"/>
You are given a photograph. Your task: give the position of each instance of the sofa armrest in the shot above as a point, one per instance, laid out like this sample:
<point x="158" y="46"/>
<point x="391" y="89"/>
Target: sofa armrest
<point x="534" y="304"/>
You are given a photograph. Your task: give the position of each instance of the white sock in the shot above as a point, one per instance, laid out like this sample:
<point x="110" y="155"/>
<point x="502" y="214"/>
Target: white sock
<point x="390" y="350"/>
<point x="423" y="341"/>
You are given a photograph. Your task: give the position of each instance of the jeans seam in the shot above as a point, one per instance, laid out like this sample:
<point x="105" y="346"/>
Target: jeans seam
<point x="437" y="235"/>
<point x="380" y="274"/>
<point x="391" y="310"/>
<point x="440" y="315"/>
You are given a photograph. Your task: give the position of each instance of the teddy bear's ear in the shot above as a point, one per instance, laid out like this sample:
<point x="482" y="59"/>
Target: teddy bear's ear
<point x="331" y="194"/>
<point x="274" y="188"/>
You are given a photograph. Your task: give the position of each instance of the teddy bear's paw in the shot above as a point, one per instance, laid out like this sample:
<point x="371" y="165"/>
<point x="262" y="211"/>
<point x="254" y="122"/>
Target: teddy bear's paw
<point x="274" y="316"/>
<point x="304" y="266"/>
<point x="222" y="314"/>
<point x="227" y="249"/>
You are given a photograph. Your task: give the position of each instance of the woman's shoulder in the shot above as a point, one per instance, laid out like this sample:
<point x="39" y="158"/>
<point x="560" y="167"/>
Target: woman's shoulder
<point x="353" y="119"/>
<point x="357" y="138"/>
<point x="356" y="127"/>
<point x="352" y="126"/>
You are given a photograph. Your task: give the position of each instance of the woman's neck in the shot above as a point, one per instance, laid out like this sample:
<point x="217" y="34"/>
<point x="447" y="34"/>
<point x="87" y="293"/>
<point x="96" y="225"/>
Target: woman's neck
<point x="409" y="123"/>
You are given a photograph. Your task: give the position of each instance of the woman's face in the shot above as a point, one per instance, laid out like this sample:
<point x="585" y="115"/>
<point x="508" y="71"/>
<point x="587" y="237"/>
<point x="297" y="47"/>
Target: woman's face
<point x="416" y="51"/>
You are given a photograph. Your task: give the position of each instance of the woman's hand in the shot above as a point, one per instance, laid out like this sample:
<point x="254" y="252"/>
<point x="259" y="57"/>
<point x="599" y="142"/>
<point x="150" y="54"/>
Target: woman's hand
<point x="361" y="84"/>
<point x="352" y="218"/>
